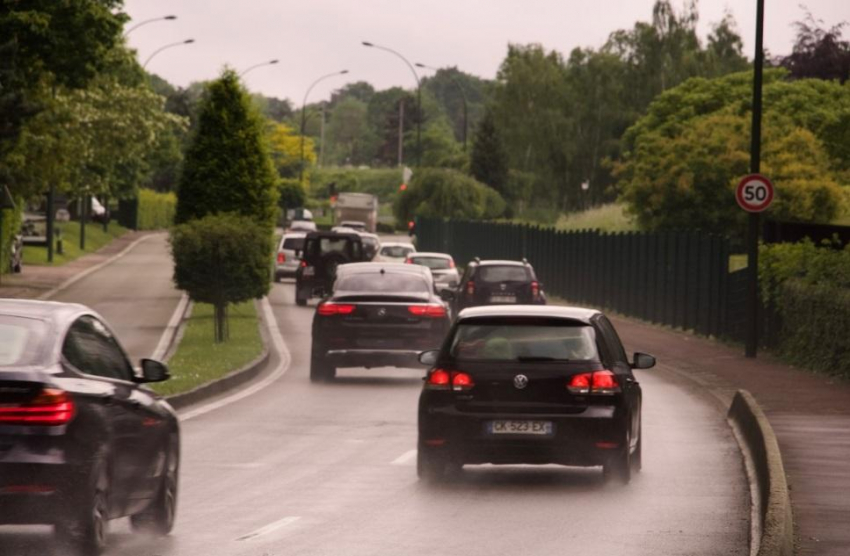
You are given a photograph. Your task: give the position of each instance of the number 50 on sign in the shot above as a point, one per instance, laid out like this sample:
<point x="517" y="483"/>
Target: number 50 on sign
<point x="754" y="193"/>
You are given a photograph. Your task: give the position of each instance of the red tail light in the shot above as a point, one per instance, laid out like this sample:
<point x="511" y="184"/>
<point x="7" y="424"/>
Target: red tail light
<point x="304" y="264"/>
<point x="440" y="379"/>
<point x="470" y="287"/>
<point x="597" y="382"/>
<point x="408" y="261"/>
<point x="281" y="258"/>
<point x="329" y="309"/>
<point x="535" y="290"/>
<point x="51" y="407"/>
<point x="451" y="264"/>
<point x="461" y="381"/>
<point x="432" y="311"/>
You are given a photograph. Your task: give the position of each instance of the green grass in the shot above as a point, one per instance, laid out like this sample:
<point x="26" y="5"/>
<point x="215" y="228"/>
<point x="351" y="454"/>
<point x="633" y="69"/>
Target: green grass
<point x="608" y="218"/>
<point x="737" y="262"/>
<point x="199" y="359"/>
<point x="95" y="239"/>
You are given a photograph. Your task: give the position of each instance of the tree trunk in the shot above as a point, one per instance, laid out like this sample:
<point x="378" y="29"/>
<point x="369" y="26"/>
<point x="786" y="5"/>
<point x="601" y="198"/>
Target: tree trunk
<point x="222" y="332"/>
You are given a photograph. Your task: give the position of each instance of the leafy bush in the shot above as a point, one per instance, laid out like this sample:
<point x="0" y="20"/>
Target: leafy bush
<point x="804" y="261"/>
<point x="11" y="226"/>
<point x="222" y="259"/>
<point x="156" y="210"/>
<point x="447" y="194"/>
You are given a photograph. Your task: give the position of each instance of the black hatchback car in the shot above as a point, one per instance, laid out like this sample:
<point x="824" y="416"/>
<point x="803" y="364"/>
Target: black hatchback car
<point x="379" y="315"/>
<point x="530" y="384"/>
<point x="498" y="283"/>
<point x="82" y="440"/>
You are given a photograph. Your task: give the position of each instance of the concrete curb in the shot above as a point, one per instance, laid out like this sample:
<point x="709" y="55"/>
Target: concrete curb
<point x="760" y="447"/>
<point x="230" y="381"/>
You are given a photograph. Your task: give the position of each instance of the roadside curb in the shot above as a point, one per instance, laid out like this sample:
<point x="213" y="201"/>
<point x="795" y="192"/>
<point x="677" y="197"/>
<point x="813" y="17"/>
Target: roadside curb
<point x="230" y="381"/>
<point x="760" y="447"/>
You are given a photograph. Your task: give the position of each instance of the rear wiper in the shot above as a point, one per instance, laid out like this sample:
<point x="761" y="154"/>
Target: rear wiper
<point x="538" y="358"/>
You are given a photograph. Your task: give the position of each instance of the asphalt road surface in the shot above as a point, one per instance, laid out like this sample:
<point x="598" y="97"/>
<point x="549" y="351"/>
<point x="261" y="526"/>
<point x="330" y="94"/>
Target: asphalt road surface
<point x="305" y="469"/>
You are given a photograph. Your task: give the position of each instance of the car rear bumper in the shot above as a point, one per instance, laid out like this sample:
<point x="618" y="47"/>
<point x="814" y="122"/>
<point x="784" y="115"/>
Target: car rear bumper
<point x="374" y="358"/>
<point x="583" y="439"/>
<point x="286" y="270"/>
<point x="38" y="493"/>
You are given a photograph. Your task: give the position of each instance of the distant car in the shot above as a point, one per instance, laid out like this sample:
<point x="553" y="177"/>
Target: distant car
<point x="82" y="439"/>
<point x="371" y="244"/>
<point x="498" y="283"/>
<point x="343" y="230"/>
<point x="289" y="255"/>
<point x="442" y="268"/>
<point x="531" y="385"/>
<point x="302" y="226"/>
<point x="323" y="253"/>
<point x="378" y="315"/>
<point x="395" y="252"/>
<point x="355" y="225"/>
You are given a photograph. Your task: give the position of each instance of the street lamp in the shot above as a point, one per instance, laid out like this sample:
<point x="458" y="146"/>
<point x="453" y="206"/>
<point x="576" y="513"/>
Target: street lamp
<point x="304" y="118"/>
<point x="457" y="83"/>
<point x="167" y="46"/>
<point x="418" y="97"/>
<point x="145" y="22"/>
<point x="255" y="66"/>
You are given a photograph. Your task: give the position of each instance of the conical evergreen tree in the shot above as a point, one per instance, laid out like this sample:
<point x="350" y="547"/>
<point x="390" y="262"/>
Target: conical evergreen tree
<point x="228" y="167"/>
<point x="489" y="158"/>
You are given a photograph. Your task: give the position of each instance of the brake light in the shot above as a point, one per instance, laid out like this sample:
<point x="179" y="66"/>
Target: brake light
<point x="431" y="311"/>
<point x="535" y="290"/>
<point x="461" y="381"/>
<point x="281" y="258"/>
<point x="303" y="264"/>
<point x="329" y="309"/>
<point x="598" y="382"/>
<point x="408" y="261"/>
<point x="51" y="407"/>
<point x="438" y="380"/>
<point x="451" y="264"/>
<point x="470" y="287"/>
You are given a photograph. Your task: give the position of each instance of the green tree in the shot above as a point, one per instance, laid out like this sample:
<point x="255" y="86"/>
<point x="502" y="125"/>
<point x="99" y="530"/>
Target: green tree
<point x="222" y="259"/>
<point x="349" y="138"/>
<point x="489" y="160"/>
<point x="819" y="53"/>
<point x="285" y="148"/>
<point x="227" y="166"/>
<point x="444" y="193"/>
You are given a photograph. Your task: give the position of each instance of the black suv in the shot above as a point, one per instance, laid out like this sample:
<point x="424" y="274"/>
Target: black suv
<point x="323" y="253"/>
<point x="498" y="283"/>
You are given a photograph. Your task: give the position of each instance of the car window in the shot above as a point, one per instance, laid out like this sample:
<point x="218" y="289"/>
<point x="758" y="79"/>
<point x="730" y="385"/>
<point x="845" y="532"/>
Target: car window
<point x="612" y="339"/>
<point x="396" y="251"/>
<point x="515" y="340"/>
<point x="503" y="274"/>
<point x="382" y="282"/>
<point x="293" y="243"/>
<point x="90" y="347"/>
<point x="21" y="341"/>
<point x="434" y="263"/>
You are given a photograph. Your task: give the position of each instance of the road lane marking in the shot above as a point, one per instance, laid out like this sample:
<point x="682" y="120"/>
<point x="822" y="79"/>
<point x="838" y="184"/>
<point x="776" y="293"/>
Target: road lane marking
<point x="404" y="459"/>
<point x="279" y="371"/>
<point x="270" y="528"/>
<point x="170" y="329"/>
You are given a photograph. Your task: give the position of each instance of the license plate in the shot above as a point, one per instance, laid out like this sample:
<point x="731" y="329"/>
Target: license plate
<point x="502" y="299"/>
<point x="309" y="271"/>
<point x="509" y="426"/>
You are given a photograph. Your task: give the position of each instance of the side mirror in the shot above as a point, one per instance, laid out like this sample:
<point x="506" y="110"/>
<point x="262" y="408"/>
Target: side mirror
<point x="429" y="358"/>
<point x="447" y="295"/>
<point x="154" y="371"/>
<point x="643" y="361"/>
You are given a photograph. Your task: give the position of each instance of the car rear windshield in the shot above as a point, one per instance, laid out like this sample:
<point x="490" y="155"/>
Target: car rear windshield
<point x="293" y="243"/>
<point x="396" y="251"/>
<point x="377" y="282"/>
<point x="21" y="341"/>
<point x="370" y="241"/>
<point x="434" y="263"/>
<point x="536" y="340"/>
<point x="503" y="274"/>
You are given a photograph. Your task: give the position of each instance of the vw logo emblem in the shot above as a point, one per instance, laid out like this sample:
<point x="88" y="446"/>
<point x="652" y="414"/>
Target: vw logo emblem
<point x="382" y="312"/>
<point x="520" y="381"/>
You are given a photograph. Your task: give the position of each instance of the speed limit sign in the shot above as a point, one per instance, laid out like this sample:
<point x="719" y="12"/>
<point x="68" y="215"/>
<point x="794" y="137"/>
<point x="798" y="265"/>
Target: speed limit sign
<point x="754" y="193"/>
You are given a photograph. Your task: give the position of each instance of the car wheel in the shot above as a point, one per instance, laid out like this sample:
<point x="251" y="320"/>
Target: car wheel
<point x="159" y="517"/>
<point x="320" y="369"/>
<point x="85" y="533"/>
<point x="637" y="464"/>
<point x="619" y="466"/>
<point x="430" y="466"/>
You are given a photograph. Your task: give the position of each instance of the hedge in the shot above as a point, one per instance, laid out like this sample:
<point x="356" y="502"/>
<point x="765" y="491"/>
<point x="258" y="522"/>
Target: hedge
<point x="156" y="210"/>
<point x="11" y="227"/>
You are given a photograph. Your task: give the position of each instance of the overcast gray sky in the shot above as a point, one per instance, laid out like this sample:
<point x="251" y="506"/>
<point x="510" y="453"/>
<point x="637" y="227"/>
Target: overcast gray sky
<point x="315" y="37"/>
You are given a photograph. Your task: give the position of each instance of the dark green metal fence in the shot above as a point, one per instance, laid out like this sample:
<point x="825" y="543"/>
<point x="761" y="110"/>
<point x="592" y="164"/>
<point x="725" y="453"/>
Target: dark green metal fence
<point x="676" y="279"/>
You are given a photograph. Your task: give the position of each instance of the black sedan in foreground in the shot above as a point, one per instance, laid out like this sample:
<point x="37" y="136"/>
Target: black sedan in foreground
<point x="82" y="441"/>
<point x="531" y="384"/>
<point x="379" y="315"/>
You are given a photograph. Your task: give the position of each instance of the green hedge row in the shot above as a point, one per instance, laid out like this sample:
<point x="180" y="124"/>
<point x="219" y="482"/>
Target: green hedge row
<point x="156" y="210"/>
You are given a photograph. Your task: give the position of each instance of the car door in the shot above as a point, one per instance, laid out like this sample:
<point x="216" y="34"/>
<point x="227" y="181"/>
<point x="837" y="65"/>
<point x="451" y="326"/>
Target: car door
<point x="623" y="370"/>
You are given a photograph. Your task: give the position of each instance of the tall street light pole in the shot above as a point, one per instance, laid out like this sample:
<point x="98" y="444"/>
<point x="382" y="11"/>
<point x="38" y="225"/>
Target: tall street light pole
<point x="145" y="22"/>
<point x="418" y="97"/>
<point x="255" y="66"/>
<point x="304" y="118"/>
<point x="460" y="88"/>
<point x="166" y="47"/>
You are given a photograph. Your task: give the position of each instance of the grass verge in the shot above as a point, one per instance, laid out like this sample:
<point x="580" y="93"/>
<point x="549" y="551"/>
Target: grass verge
<point x="95" y="239"/>
<point x="199" y="359"/>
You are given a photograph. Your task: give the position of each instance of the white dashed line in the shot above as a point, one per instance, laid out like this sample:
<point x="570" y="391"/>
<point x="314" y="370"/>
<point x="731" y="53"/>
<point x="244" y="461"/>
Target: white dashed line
<point x="270" y="528"/>
<point x="405" y="459"/>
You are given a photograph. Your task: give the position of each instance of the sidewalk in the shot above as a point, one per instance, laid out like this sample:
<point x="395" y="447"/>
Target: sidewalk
<point x="35" y="281"/>
<point x="810" y="414"/>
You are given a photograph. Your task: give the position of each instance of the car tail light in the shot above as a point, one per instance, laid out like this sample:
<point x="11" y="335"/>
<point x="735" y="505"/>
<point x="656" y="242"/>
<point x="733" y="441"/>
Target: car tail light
<point x="451" y="264"/>
<point x="461" y="381"/>
<point x="51" y="407"/>
<point x="432" y="311"/>
<point x="329" y="309"/>
<point x="470" y="287"/>
<point x="408" y="261"/>
<point x="598" y="382"/>
<point x="303" y="264"/>
<point x="438" y="380"/>
<point x="281" y="258"/>
<point x="535" y="290"/>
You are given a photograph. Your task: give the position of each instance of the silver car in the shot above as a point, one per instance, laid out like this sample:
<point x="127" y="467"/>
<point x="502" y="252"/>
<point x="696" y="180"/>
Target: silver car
<point x="289" y="255"/>
<point x="442" y="268"/>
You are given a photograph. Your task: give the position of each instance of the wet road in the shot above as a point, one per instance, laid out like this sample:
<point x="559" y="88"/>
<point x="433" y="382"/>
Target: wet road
<point x="305" y="469"/>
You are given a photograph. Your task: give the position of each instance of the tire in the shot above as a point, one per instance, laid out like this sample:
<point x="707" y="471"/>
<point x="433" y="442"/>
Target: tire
<point x="637" y="456"/>
<point x="300" y="298"/>
<point x="320" y="370"/>
<point x="158" y="518"/>
<point x="85" y="533"/>
<point x="619" y="467"/>
<point x="430" y="467"/>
